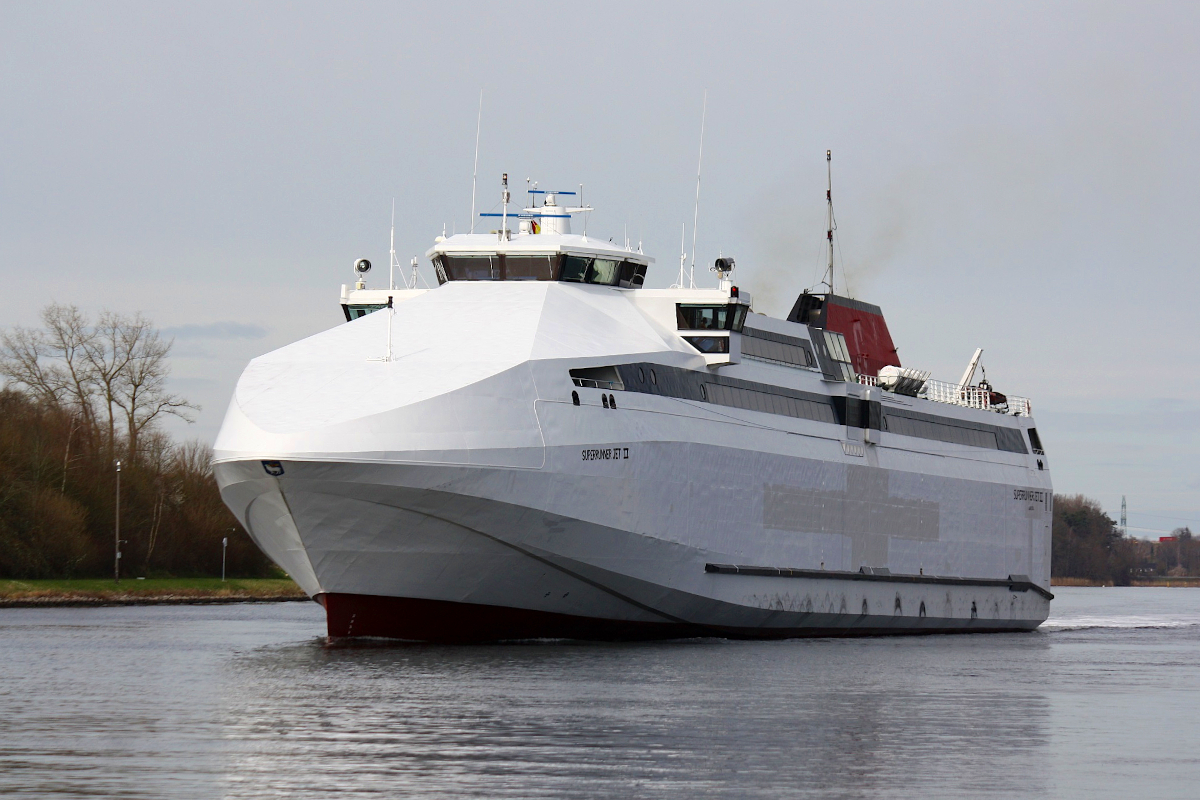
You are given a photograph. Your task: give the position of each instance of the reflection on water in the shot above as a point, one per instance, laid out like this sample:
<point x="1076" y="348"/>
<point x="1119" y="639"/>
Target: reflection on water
<point x="248" y="701"/>
<point x="680" y="719"/>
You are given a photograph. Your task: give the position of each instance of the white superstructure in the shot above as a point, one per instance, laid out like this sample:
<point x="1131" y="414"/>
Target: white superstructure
<point x="541" y="447"/>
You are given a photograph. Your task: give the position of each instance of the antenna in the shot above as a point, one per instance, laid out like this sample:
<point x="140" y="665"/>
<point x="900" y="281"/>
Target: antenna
<point x="504" y="199"/>
<point x="391" y="313"/>
<point x="475" y="172"/>
<point x="392" y="263"/>
<point x="832" y="224"/>
<point x="682" y="251"/>
<point x="696" y="215"/>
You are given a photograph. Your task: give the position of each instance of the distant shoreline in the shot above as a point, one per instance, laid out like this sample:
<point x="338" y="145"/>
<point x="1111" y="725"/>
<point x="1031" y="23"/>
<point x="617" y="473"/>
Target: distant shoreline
<point x="1185" y="582"/>
<point x="152" y="591"/>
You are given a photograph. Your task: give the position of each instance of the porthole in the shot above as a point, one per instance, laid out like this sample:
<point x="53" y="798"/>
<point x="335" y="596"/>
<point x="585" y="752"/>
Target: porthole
<point x="575" y="398"/>
<point x="604" y="400"/>
<point x="653" y="378"/>
<point x="922" y="613"/>
<point x="612" y="401"/>
<point x="703" y="393"/>
<point x="641" y="375"/>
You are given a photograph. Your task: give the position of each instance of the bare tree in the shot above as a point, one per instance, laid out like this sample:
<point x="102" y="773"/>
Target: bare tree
<point x="116" y="368"/>
<point x="108" y="355"/>
<point x="141" y="385"/>
<point x="53" y="363"/>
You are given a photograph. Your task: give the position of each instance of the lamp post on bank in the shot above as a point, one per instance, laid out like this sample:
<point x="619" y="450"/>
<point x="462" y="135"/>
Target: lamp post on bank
<point x="117" y="534"/>
<point x="224" y="545"/>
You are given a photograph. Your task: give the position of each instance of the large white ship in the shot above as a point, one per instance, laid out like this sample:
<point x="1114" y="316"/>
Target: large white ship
<point x="541" y="447"/>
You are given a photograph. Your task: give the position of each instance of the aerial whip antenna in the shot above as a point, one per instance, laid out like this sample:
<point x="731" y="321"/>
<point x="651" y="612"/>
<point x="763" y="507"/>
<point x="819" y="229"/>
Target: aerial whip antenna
<point x="832" y="224"/>
<point x="696" y="215"/>
<point x="475" y="173"/>
<point x="682" y="251"/>
<point x="392" y="263"/>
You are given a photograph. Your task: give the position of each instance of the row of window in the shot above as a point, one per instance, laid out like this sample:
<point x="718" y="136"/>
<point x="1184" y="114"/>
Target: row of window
<point x="794" y="355"/>
<point x="768" y="402"/>
<point x="941" y="429"/>
<point x="940" y="432"/>
<point x="853" y="412"/>
<point x="546" y="267"/>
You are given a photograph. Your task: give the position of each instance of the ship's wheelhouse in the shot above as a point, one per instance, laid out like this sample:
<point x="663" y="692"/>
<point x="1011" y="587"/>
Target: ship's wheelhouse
<point x="569" y="267"/>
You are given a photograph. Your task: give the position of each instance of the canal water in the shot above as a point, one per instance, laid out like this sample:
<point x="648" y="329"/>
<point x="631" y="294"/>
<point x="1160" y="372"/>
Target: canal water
<point x="249" y="701"/>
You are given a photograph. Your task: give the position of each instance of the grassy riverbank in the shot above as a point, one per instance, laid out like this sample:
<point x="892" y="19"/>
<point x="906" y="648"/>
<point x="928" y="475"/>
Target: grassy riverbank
<point x="131" y="591"/>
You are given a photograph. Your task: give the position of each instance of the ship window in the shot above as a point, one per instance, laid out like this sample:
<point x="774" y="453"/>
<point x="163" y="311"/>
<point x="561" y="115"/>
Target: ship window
<point x="726" y="317"/>
<point x="709" y="344"/>
<point x="604" y="271"/>
<point x="632" y="275"/>
<point x="776" y="351"/>
<point x="769" y="403"/>
<point x="835" y="345"/>
<point x="470" y="268"/>
<point x="574" y="268"/>
<point x="353" y="312"/>
<point x="529" y="268"/>
<point x="1036" y="441"/>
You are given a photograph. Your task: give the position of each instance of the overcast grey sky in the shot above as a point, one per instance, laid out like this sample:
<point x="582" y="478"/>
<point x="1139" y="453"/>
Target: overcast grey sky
<point x="1017" y="177"/>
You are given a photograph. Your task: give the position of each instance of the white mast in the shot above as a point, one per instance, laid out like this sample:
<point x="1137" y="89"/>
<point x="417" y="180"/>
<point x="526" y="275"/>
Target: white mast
<point x="475" y="172"/>
<point x="696" y="215"/>
<point x="392" y="263"/>
<point x="682" y="251"/>
<point x="504" y="215"/>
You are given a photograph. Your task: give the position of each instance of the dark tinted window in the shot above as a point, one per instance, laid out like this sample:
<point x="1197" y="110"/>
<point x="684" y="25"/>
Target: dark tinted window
<point x="529" y="268"/>
<point x="574" y="268"/>
<point x="580" y="269"/>
<point x="469" y="268"/>
<point x="776" y="351"/>
<point x="709" y="344"/>
<point x="604" y="271"/>
<point x="694" y="317"/>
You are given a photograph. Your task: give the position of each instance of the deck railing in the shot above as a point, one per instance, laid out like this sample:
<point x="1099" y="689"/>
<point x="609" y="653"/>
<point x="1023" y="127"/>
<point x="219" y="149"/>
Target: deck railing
<point x="968" y="396"/>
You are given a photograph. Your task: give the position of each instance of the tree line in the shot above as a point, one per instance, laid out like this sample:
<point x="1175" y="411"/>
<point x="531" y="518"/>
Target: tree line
<point x="1088" y="544"/>
<point x="80" y="395"/>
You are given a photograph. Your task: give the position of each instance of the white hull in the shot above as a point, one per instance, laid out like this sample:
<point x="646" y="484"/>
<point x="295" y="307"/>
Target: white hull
<point x="501" y="494"/>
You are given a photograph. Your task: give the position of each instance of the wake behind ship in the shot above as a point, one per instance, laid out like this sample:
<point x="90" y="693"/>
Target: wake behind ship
<point x="541" y="447"/>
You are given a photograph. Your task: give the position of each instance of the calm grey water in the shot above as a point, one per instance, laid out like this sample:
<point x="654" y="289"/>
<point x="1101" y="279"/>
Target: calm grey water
<point x="248" y="701"/>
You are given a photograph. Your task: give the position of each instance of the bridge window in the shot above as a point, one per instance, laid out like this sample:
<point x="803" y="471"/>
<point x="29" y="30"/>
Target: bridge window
<point x="361" y="310"/>
<point x="529" y="268"/>
<point x="539" y="267"/>
<point x="467" y="268"/>
<point x="583" y="269"/>
<point x="726" y="317"/>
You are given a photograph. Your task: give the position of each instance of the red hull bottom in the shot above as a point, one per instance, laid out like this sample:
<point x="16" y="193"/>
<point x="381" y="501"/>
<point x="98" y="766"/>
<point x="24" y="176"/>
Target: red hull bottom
<point x="354" y="615"/>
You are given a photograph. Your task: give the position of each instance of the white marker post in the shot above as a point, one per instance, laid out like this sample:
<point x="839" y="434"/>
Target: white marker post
<point x="224" y="545"/>
<point x="117" y="531"/>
